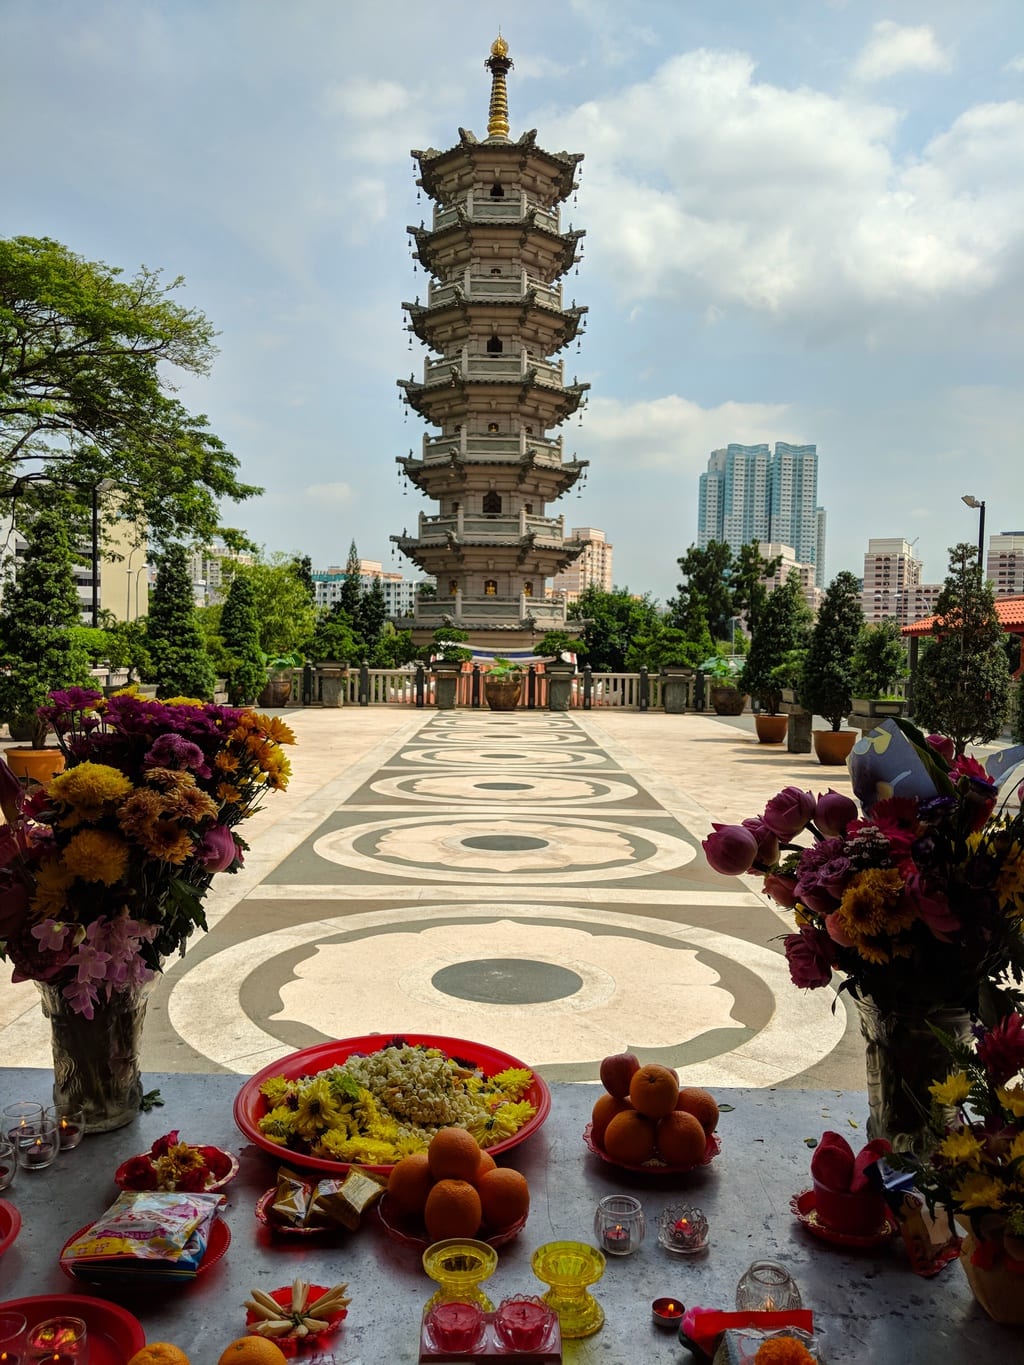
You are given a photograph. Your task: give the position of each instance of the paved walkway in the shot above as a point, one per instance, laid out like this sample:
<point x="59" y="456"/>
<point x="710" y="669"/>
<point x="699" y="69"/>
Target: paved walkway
<point x="529" y="880"/>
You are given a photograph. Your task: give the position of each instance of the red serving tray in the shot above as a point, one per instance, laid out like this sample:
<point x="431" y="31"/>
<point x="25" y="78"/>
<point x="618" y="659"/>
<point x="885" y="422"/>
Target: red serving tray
<point x="250" y="1106"/>
<point x="114" y="1334"/>
<point x="220" y="1240"/>
<point x="10" y="1224"/>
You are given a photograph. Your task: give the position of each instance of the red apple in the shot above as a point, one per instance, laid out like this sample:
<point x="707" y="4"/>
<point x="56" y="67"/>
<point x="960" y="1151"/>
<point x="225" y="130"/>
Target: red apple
<point x="617" y="1071"/>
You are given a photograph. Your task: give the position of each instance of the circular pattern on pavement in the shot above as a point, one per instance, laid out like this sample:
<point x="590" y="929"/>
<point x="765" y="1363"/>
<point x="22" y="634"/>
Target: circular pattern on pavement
<point x="507" y="981"/>
<point x="522" y="756"/>
<point x="446" y="788"/>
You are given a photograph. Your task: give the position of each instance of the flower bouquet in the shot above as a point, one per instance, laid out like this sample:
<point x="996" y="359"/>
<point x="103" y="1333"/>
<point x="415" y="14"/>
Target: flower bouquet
<point x="174" y="1165"/>
<point x="103" y="871"/>
<point x="976" y="1168"/>
<point x="916" y="902"/>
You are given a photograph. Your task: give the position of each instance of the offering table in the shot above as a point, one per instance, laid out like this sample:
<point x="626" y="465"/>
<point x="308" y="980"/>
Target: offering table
<point x="869" y="1303"/>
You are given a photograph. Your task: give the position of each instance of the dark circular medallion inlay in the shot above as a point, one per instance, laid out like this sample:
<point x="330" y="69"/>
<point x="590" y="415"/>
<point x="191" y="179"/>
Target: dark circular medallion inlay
<point x="503" y="786"/>
<point x="504" y="843"/>
<point x="506" y="981"/>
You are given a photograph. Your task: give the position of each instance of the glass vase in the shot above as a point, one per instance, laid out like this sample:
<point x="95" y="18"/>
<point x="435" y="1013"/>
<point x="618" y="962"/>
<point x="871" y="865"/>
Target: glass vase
<point x="96" y="1061"/>
<point x="903" y="1058"/>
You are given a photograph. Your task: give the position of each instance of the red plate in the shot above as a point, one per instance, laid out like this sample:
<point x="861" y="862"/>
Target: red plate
<point x="10" y="1224"/>
<point x="266" y="1217"/>
<point x="250" y="1105"/>
<point x="654" y="1167"/>
<point x="220" y="1240"/>
<point x="114" y="1333"/>
<point x="223" y="1169"/>
<point x="292" y="1345"/>
<point x="412" y="1233"/>
<point x="803" y="1208"/>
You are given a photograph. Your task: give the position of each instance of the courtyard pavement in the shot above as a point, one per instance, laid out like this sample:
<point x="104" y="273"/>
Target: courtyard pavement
<point x="530" y="880"/>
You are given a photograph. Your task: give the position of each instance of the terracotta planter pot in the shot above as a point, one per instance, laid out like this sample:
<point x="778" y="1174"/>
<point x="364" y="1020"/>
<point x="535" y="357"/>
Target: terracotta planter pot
<point x="771" y="729"/>
<point x="39" y="765"/>
<point x="727" y="700"/>
<point x="833" y="746"/>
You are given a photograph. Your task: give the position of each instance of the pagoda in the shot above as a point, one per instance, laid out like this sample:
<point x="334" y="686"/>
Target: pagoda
<point x="493" y="386"/>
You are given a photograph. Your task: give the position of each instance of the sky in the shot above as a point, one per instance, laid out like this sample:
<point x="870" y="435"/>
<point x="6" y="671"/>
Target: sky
<point x="804" y="222"/>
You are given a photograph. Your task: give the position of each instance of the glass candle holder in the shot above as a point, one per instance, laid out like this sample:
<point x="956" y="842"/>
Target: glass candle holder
<point x="8" y="1162"/>
<point x="57" y="1341"/>
<point x="683" y="1230"/>
<point x="12" y="1338"/>
<point x="569" y="1268"/>
<point x="37" y="1145"/>
<point x="524" y="1322"/>
<point x="619" y="1224"/>
<point x="460" y="1265"/>
<point x="19" y="1115"/>
<point x="455" y="1326"/>
<point x="70" y="1125"/>
<point x="767" y="1287"/>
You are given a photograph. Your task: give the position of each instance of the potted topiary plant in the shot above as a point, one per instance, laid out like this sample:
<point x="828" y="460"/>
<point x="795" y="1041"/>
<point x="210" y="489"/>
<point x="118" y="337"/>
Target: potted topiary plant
<point x="826" y="685"/>
<point x="39" y="649"/>
<point x="446" y="656"/>
<point x="781" y="626"/>
<point x="280" y="678"/>
<point x="879" y="665"/>
<point x="503" y="684"/>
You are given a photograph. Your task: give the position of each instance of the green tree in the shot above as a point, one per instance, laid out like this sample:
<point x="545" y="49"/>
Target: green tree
<point x="609" y="621"/>
<point x="371" y="617"/>
<point x="285" y="614"/>
<point x="708" y="577"/>
<point x="304" y="572"/>
<point x="665" y="645"/>
<point x="180" y="664"/>
<point x="352" y="587"/>
<point x="41" y="649"/>
<point x="783" y="624"/>
<point x="826" y="688"/>
<point x="880" y="661"/>
<point x="86" y="378"/>
<point x="963" y="681"/>
<point x="749" y="594"/>
<point x="240" y="631"/>
<point x="334" y="637"/>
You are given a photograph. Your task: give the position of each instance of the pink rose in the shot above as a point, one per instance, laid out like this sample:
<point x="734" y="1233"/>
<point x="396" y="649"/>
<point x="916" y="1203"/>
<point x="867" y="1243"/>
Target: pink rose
<point x="810" y="955"/>
<point x="218" y="850"/>
<point x="781" y="889"/>
<point x="834" y="812"/>
<point x="731" y="850"/>
<point x="789" y="812"/>
<point x="836" y="932"/>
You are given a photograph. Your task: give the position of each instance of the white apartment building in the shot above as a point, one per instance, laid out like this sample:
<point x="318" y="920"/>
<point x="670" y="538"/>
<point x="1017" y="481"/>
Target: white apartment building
<point x="399" y="592"/>
<point x="813" y="595"/>
<point x="593" y="568"/>
<point x="1005" y="563"/>
<point x="892" y="583"/>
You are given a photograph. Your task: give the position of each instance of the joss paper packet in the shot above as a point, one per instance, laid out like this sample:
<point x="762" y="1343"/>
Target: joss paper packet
<point x="149" y="1225"/>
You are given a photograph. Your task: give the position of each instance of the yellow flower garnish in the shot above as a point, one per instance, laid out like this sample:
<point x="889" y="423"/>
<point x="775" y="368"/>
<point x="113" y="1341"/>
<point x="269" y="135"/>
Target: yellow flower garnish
<point x="96" y="856"/>
<point x="962" y="1147"/>
<point x="979" y="1191"/>
<point x="89" y="789"/>
<point x="1012" y="1098"/>
<point x="953" y="1090"/>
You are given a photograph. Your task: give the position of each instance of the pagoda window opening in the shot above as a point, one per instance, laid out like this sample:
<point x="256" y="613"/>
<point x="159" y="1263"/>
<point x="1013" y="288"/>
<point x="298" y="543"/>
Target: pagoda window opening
<point x="528" y="588"/>
<point x="528" y="509"/>
<point x="490" y="587"/>
<point x="495" y="269"/>
<point x="492" y="427"/>
<point x="495" y="345"/>
<point x="453" y="586"/>
<point x="456" y="506"/>
<point x="497" y="190"/>
<point x="492" y="503"/>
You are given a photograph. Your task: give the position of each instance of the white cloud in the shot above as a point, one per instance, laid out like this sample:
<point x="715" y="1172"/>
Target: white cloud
<point x="674" y="433"/>
<point x="1016" y="64"/>
<point x="365" y="100"/>
<point x="335" y="493"/>
<point x="894" y="48"/>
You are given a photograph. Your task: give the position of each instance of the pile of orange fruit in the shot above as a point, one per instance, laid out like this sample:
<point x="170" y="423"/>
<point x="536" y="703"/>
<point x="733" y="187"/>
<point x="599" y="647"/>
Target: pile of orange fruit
<point x="456" y="1189"/>
<point x="654" y="1118"/>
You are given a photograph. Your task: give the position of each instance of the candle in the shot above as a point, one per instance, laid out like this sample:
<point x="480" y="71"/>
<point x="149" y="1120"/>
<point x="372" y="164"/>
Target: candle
<point x="683" y="1230"/>
<point x="619" y="1224"/>
<point x="455" y="1326"/>
<point x="58" y="1341"/>
<point x="667" y="1312"/>
<point x="70" y="1126"/>
<point x="8" y="1163"/>
<point x="616" y="1239"/>
<point x="523" y="1323"/>
<point x="37" y="1151"/>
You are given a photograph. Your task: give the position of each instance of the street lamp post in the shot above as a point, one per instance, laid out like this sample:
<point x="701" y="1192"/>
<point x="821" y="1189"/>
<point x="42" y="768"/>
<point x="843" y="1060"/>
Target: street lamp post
<point x="101" y="487"/>
<point x="972" y="501"/>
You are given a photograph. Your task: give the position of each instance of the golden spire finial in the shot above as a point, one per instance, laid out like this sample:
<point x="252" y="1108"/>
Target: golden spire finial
<point x="498" y="63"/>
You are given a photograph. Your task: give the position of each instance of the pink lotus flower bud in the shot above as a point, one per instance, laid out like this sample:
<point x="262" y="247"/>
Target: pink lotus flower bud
<point x="218" y="850"/>
<point x="731" y="850"/>
<point x="942" y="745"/>
<point x="833" y="813"/>
<point x="788" y="813"/>
<point x="767" y="842"/>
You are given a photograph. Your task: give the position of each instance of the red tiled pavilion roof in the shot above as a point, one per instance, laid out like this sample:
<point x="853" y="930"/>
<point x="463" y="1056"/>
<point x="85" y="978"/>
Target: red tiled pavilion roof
<point x="1010" y="611"/>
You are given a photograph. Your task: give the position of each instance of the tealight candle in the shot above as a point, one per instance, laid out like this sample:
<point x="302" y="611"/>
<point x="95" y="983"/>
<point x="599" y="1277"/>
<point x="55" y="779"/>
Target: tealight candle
<point x="70" y="1126"/>
<point x="8" y="1163"/>
<point x="619" y="1224"/>
<point x="38" y="1146"/>
<point x="523" y="1322"/>
<point x="12" y="1333"/>
<point x="667" y="1312"/>
<point x="58" y="1341"/>
<point x="18" y="1116"/>
<point x="455" y="1326"/>
<point x="683" y="1230"/>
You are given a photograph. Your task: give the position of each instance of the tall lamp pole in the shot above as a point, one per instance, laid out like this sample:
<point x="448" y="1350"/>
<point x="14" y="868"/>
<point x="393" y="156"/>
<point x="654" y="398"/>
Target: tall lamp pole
<point x="972" y="501"/>
<point x="101" y="487"/>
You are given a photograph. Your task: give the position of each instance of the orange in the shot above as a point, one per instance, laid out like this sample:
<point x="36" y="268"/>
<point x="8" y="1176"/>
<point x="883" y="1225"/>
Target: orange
<point x="159" y="1353"/>
<point x="453" y="1154"/>
<point x="629" y="1137"/>
<point x="487" y="1163"/>
<point x="409" y="1184"/>
<point x="453" y="1209"/>
<point x="605" y="1109"/>
<point x="654" y="1090"/>
<point x="252" y="1350"/>
<point x="680" y="1138"/>
<point x="701" y="1104"/>
<point x="504" y="1197"/>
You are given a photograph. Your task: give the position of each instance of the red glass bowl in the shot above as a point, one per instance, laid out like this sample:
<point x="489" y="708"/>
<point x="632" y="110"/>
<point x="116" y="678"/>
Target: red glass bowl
<point x="292" y="1345"/>
<point x="250" y="1106"/>
<point x="10" y="1224"/>
<point x="411" y="1232"/>
<point x="654" y="1166"/>
<point x="223" y="1169"/>
<point x="220" y="1240"/>
<point x="114" y="1334"/>
<point x="803" y="1209"/>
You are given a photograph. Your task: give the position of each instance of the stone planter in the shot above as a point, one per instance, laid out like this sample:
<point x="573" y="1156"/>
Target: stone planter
<point x="446" y="686"/>
<point x="727" y="700"/>
<point x="502" y="694"/>
<point x="278" y="689"/>
<point x="833" y="746"/>
<point x="559" y="676"/>
<point x="876" y="706"/>
<point x="332" y="683"/>
<point x="771" y="729"/>
<point x="675" y="688"/>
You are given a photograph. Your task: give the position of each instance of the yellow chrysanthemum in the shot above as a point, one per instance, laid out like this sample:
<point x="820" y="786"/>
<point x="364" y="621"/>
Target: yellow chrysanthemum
<point x="50" y="900"/>
<point x="191" y="805"/>
<point x="1010" y="882"/>
<point x="228" y="793"/>
<point x="873" y="904"/>
<point x="317" y="1109"/>
<point x="225" y="762"/>
<point x="953" y="1090"/>
<point x="89" y="790"/>
<point x="167" y="841"/>
<point x="277" y="730"/>
<point x="961" y="1147"/>
<point x="1016" y="1150"/>
<point x="96" y="856"/>
<point x="1012" y="1098"/>
<point x="183" y="701"/>
<point x="979" y="1191"/>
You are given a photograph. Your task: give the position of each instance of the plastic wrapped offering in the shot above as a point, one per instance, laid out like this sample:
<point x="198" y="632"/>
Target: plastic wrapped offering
<point x="160" y="1234"/>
